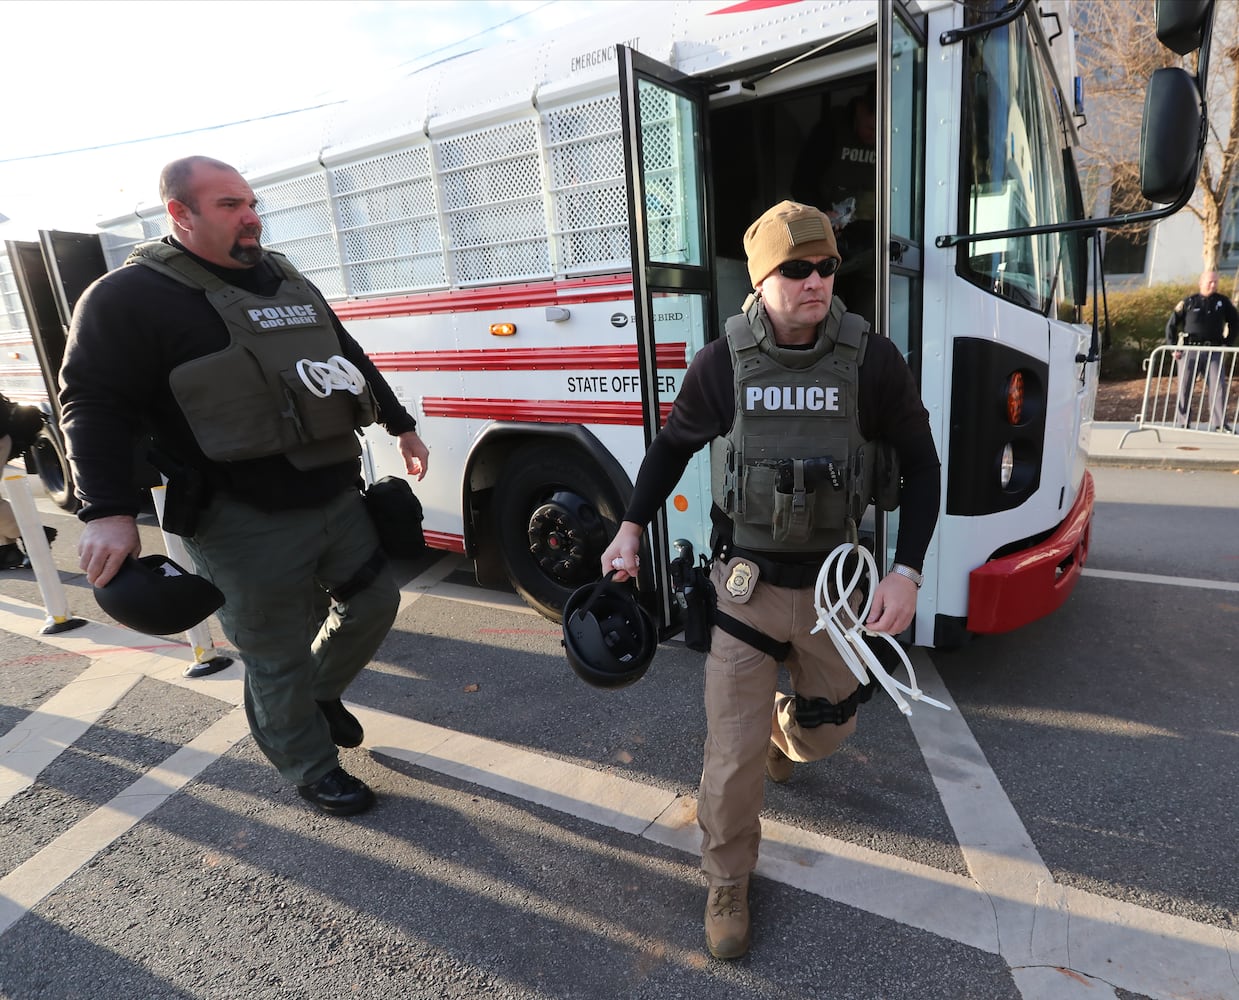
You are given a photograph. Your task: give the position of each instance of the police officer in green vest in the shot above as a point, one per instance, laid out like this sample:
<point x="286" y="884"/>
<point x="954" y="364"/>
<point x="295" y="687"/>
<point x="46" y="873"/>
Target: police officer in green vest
<point x="252" y="392"/>
<point x="795" y="402"/>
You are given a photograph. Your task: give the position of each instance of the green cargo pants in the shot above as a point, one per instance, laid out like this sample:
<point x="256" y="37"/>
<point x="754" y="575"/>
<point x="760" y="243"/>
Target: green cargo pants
<point x="272" y="568"/>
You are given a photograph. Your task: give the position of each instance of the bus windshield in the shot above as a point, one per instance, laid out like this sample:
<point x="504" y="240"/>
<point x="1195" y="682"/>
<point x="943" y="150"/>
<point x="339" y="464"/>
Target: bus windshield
<point x="1012" y="164"/>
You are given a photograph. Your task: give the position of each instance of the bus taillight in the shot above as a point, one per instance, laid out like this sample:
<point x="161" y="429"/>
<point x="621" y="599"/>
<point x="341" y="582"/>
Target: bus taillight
<point x="1015" y="399"/>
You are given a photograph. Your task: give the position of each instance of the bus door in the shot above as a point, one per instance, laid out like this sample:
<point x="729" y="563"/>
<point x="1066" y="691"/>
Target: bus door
<point x="51" y="275"/>
<point x="900" y="216"/>
<point x="665" y="155"/>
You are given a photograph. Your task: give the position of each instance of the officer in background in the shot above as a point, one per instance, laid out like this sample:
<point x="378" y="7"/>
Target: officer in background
<point x="838" y="170"/>
<point x="1205" y="318"/>
<point x="252" y="392"/>
<point x="19" y="427"/>
<point x="794" y="402"/>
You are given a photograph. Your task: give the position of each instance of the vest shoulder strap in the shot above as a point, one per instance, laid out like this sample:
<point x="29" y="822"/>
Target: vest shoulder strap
<point x="850" y="340"/>
<point x="284" y="264"/>
<point x="175" y="264"/>
<point x="740" y="332"/>
<point x="853" y="337"/>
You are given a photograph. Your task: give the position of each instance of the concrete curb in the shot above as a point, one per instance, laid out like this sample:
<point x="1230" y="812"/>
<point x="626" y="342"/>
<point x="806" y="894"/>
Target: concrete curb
<point x="1127" y="445"/>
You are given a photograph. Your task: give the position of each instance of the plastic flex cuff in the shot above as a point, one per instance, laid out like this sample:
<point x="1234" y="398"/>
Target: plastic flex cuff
<point x="834" y="617"/>
<point x="324" y="377"/>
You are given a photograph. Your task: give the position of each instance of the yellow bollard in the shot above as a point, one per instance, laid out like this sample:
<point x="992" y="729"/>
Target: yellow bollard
<point x="205" y="660"/>
<point x="17" y="491"/>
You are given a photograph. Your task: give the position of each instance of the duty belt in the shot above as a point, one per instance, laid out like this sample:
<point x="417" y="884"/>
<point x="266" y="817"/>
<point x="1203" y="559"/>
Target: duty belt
<point x="779" y="574"/>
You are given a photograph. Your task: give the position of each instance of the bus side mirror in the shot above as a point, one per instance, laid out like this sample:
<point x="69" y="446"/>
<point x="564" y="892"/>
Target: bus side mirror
<point x="1181" y="24"/>
<point x="1171" y="136"/>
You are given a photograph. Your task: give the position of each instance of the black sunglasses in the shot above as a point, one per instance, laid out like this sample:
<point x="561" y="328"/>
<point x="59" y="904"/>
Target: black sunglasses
<point x="798" y="270"/>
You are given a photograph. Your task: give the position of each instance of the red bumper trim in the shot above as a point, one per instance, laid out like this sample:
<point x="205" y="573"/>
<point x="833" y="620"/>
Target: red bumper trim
<point x="1010" y="592"/>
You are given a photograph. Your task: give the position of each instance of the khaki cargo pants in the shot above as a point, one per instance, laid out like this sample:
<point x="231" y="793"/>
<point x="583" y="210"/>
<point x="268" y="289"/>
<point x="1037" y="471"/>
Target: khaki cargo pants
<point x="744" y="711"/>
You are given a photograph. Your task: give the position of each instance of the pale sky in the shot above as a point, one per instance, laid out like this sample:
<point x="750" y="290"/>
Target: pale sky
<point x="91" y="85"/>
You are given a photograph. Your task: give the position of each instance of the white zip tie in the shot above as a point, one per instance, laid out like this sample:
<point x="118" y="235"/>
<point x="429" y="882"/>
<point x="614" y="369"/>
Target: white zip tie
<point x="324" y="377"/>
<point x="849" y="639"/>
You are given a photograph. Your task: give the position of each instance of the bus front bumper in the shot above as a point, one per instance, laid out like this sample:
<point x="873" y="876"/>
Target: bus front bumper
<point x="1014" y="590"/>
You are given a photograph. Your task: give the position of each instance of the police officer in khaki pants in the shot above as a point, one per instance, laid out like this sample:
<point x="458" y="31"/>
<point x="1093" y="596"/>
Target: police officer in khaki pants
<point x="795" y="395"/>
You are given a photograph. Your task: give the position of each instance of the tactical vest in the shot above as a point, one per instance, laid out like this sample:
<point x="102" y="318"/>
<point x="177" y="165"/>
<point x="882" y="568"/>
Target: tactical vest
<point x="250" y="400"/>
<point x="793" y="473"/>
<point x="1203" y="319"/>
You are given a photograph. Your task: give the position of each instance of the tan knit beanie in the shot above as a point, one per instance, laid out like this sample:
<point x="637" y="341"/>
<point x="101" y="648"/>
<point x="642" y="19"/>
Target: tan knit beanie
<point x="789" y="231"/>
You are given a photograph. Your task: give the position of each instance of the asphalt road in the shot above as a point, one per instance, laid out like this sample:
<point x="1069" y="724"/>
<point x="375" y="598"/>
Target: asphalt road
<point x="1067" y="830"/>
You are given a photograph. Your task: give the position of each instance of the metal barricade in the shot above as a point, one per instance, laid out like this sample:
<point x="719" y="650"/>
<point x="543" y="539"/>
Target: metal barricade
<point x="1189" y="388"/>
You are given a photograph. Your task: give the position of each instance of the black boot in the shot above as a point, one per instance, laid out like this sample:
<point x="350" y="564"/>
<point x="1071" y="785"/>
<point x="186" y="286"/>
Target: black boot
<point x="337" y="792"/>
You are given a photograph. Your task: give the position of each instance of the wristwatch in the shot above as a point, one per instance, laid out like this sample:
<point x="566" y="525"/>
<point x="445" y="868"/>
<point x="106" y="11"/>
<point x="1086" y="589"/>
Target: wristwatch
<point x="909" y="572"/>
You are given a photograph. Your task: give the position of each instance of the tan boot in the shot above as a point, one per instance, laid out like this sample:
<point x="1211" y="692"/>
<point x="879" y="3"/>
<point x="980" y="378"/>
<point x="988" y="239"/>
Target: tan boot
<point x="727" y="919"/>
<point x="778" y="764"/>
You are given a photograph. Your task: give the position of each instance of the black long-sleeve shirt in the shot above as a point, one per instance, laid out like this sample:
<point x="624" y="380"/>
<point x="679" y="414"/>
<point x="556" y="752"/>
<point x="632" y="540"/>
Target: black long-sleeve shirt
<point x="130" y="329"/>
<point x="889" y="407"/>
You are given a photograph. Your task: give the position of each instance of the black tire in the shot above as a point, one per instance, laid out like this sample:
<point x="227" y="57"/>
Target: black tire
<point x="553" y="514"/>
<point x="52" y="466"/>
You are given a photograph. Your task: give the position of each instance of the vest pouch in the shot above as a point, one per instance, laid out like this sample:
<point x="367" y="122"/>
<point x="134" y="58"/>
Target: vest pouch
<point x="793" y="517"/>
<point x="755" y="496"/>
<point x="231" y="417"/>
<point x="793" y="506"/>
<point x="319" y="418"/>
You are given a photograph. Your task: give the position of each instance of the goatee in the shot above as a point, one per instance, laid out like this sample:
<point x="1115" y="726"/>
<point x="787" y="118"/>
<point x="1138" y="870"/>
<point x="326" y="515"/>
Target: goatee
<point x="249" y="256"/>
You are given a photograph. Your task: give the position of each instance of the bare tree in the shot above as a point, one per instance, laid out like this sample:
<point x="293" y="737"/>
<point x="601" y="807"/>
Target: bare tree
<point x="1118" y="50"/>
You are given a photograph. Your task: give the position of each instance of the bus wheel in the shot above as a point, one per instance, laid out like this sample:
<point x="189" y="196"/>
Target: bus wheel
<point x="52" y="467"/>
<point x="554" y="515"/>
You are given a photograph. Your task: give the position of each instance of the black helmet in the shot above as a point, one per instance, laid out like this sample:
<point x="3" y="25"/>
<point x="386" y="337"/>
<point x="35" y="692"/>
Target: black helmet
<point x="156" y="596"/>
<point x="609" y="638"/>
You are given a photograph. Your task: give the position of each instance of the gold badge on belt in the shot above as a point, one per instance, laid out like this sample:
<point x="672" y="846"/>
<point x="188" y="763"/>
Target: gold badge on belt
<point x="740" y="580"/>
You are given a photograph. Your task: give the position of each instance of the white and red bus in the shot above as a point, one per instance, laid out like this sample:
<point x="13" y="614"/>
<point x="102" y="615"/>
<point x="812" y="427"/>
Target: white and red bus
<point x="533" y="240"/>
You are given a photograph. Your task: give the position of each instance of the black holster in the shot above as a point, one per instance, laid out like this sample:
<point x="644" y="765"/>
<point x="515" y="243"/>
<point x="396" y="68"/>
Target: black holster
<point x="694" y="592"/>
<point x="187" y="493"/>
<point x="700" y="602"/>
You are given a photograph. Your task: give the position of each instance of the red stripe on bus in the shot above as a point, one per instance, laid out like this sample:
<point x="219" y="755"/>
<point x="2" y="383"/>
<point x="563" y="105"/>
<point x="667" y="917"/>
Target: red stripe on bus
<point x="747" y="5"/>
<point x="568" y="291"/>
<point x="444" y="541"/>
<point x="603" y="358"/>
<point x="544" y="411"/>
